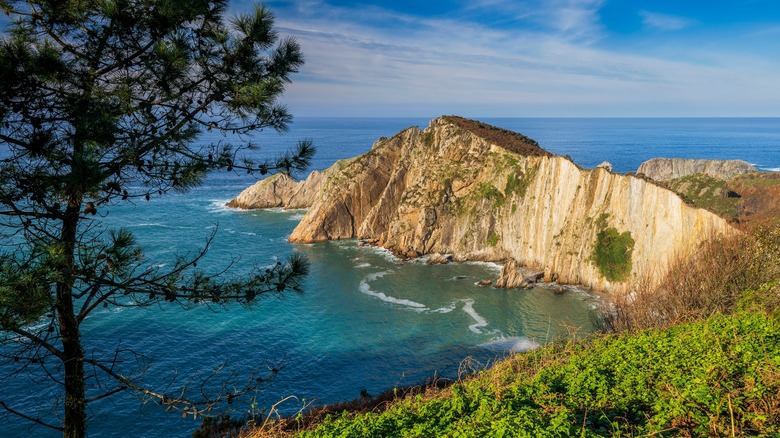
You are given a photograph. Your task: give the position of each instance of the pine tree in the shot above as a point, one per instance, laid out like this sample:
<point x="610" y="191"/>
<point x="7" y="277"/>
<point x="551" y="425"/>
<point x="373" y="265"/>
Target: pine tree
<point x="102" y="102"/>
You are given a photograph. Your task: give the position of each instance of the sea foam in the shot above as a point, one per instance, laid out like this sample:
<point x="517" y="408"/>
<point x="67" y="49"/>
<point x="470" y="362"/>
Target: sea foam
<point x="366" y="289"/>
<point x="446" y="309"/>
<point x="479" y="321"/>
<point x="514" y="344"/>
<point x="218" y="206"/>
<point x="490" y="265"/>
<point x="160" y="225"/>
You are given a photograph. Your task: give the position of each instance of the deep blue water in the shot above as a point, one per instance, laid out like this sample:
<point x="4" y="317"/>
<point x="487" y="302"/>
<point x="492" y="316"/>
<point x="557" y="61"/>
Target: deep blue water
<point x="365" y="321"/>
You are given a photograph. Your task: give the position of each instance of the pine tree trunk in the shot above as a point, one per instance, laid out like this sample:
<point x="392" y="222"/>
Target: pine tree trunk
<point x="75" y="421"/>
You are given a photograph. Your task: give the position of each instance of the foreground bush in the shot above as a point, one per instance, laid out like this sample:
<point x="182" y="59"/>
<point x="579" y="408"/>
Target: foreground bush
<point x="717" y="377"/>
<point x="712" y="281"/>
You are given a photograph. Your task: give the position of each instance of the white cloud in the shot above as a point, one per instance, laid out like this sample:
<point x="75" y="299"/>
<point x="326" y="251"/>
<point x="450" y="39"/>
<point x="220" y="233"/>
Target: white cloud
<point x="653" y="20"/>
<point x="359" y="64"/>
<point x="571" y="19"/>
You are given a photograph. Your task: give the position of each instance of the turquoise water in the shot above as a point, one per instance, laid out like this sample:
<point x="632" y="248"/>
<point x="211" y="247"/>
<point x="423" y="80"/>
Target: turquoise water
<point x="365" y="321"/>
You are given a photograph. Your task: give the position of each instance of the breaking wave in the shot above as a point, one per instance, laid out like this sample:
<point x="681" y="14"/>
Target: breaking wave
<point x="514" y="344"/>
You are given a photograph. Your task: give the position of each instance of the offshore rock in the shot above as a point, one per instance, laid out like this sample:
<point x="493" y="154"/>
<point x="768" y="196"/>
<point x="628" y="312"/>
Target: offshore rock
<point x="279" y="191"/>
<point x="664" y="169"/>
<point x="511" y="276"/>
<point x="481" y="193"/>
<point x="438" y="259"/>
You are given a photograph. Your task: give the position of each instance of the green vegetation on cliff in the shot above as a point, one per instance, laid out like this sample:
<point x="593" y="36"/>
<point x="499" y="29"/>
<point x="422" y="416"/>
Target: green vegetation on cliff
<point x="612" y="251"/>
<point x="704" y="191"/>
<point x="517" y="183"/>
<point x="752" y="197"/>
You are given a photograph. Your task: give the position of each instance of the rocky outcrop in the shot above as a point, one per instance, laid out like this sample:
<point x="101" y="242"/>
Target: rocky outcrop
<point x="664" y="169"/>
<point x="438" y="259"/>
<point x="515" y="276"/>
<point x="280" y="191"/>
<point x="481" y="193"/>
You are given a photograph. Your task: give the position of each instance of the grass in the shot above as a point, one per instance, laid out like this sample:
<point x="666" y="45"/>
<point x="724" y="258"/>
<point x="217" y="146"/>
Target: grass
<point x="755" y="196"/>
<point x="758" y="179"/>
<point x="428" y="138"/>
<point x="718" y="377"/>
<point x="487" y="191"/>
<point x="704" y="191"/>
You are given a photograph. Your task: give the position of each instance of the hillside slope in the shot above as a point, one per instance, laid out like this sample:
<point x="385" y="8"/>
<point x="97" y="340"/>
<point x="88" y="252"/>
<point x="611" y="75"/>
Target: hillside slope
<point x="717" y="377"/>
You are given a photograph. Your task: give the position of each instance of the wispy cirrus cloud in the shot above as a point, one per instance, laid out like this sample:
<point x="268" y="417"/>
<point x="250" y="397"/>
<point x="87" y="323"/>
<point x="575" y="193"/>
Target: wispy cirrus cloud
<point x="653" y="20"/>
<point x="571" y="19"/>
<point x="490" y="59"/>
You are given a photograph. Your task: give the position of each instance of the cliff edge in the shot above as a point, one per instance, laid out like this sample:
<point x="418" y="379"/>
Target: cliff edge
<point x="482" y="193"/>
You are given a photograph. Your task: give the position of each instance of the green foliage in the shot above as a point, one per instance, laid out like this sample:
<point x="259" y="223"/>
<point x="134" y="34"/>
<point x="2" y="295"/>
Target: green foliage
<point x="612" y="251"/>
<point x="723" y="274"/>
<point x="766" y="298"/>
<point x="759" y="179"/>
<point x="490" y="193"/>
<point x="102" y="103"/>
<point x="428" y="138"/>
<point x="493" y="239"/>
<point x="24" y="293"/>
<point x="517" y="183"/>
<point x="706" y="192"/>
<point x="718" y="377"/>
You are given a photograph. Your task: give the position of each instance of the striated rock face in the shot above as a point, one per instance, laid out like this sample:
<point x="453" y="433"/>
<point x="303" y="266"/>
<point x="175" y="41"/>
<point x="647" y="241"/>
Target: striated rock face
<point x="664" y="169"/>
<point x="480" y="193"/>
<point x="279" y="191"/>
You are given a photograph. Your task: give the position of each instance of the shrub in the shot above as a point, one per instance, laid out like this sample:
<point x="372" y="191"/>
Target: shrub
<point x="712" y="281"/>
<point x="612" y="253"/>
<point x="493" y="239"/>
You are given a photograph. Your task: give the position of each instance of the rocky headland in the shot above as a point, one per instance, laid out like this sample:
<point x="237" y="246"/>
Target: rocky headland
<point x="477" y="192"/>
<point x="279" y="191"/>
<point x="665" y="169"/>
<point x="733" y="189"/>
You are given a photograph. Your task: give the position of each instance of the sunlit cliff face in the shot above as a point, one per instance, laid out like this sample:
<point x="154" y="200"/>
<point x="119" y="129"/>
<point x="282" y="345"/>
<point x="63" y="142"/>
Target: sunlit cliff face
<point x="480" y="193"/>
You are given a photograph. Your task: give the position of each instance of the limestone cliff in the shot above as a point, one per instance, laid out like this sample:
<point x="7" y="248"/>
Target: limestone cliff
<point x="481" y="193"/>
<point x="279" y="191"/>
<point x="664" y="169"/>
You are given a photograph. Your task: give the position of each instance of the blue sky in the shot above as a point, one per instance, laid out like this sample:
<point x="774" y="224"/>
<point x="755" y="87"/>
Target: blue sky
<point x="535" y="58"/>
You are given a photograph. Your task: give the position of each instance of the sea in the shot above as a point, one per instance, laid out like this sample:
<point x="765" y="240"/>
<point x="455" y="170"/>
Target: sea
<point x="365" y="322"/>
